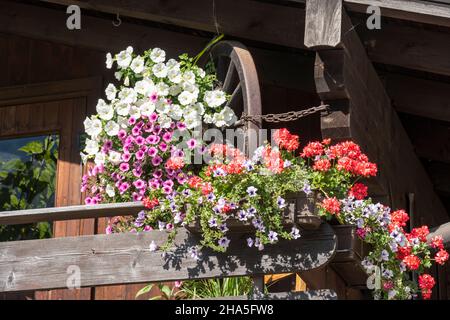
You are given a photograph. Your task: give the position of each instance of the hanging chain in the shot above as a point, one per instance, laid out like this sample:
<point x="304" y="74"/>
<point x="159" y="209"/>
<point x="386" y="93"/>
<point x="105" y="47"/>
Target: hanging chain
<point x="283" y="117"/>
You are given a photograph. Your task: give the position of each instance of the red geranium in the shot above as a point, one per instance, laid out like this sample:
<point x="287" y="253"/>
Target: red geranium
<point x="437" y="242"/>
<point x="399" y="218"/>
<point x="206" y="188"/>
<point x="441" y="257"/>
<point x="194" y="182"/>
<point x="426" y="283"/>
<point x="358" y="191"/>
<point x="175" y="163"/>
<point x="150" y="203"/>
<point x="322" y="165"/>
<point x="312" y="149"/>
<point x="332" y="205"/>
<point x="403" y="252"/>
<point x="285" y="140"/>
<point x="412" y="261"/>
<point x="420" y="233"/>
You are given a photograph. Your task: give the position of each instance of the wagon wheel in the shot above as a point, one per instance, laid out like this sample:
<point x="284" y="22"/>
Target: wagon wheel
<point x="236" y="72"/>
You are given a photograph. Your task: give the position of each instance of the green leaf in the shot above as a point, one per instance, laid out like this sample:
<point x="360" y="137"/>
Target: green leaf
<point x="167" y="291"/>
<point x="33" y="147"/>
<point x="144" y="290"/>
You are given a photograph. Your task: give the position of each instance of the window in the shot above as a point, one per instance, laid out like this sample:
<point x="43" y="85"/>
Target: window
<point x="27" y="181"/>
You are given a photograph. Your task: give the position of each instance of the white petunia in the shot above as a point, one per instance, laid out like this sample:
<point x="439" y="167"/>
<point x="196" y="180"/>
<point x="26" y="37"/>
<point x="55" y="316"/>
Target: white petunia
<point x="162" y="89"/>
<point x="128" y="95"/>
<point x="91" y="147"/>
<point x="124" y="57"/>
<point x="147" y="108"/>
<point x="229" y="116"/>
<point x="123" y="109"/>
<point x="145" y="87"/>
<point x="122" y="122"/>
<point x="175" y="90"/>
<point x="162" y="106"/>
<point x="135" y="112"/>
<point x="104" y="110"/>
<point x="110" y="92"/>
<point x="175" y="112"/>
<point x="115" y="157"/>
<point x="118" y="75"/>
<point x="219" y="120"/>
<point x="164" y="121"/>
<point x="93" y="127"/>
<point x="172" y="64"/>
<point x="112" y="128"/>
<point x="186" y="98"/>
<point x="109" y="61"/>
<point x="215" y="98"/>
<point x="174" y="75"/>
<point x="158" y="55"/>
<point x="189" y="77"/>
<point x="159" y="70"/>
<point x="207" y="118"/>
<point x="192" y="88"/>
<point x="201" y="73"/>
<point x="99" y="159"/>
<point x="199" y="108"/>
<point x="137" y="65"/>
<point x="110" y="191"/>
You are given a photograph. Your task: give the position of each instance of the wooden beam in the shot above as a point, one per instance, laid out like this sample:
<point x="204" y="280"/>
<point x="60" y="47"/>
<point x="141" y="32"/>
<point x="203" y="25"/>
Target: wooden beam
<point x="321" y="294"/>
<point x="425" y="98"/>
<point x="70" y="213"/>
<point x="440" y="175"/>
<point x="346" y="78"/>
<point x="243" y="19"/>
<point x="411" y="10"/>
<point x="126" y="258"/>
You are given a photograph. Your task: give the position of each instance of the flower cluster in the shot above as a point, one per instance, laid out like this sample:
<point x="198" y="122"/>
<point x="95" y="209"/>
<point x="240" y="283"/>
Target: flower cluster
<point x="139" y="136"/>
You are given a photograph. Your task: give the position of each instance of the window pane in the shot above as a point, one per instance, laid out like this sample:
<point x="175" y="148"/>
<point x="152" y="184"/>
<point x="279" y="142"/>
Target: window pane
<point x="27" y="181"/>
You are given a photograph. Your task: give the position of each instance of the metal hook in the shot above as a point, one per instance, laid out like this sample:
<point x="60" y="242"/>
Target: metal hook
<point x="118" y="21"/>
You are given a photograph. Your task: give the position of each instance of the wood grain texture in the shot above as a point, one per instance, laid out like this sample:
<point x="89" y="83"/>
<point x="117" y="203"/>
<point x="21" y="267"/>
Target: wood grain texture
<point x="125" y="258"/>
<point x="322" y="294"/>
<point x="323" y="23"/>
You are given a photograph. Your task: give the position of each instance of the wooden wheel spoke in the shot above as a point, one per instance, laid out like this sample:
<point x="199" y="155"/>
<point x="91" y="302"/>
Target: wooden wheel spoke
<point x="230" y="77"/>
<point x="236" y="98"/>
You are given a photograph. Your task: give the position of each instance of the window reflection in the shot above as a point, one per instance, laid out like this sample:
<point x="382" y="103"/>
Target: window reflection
<point x="27" y="181"/>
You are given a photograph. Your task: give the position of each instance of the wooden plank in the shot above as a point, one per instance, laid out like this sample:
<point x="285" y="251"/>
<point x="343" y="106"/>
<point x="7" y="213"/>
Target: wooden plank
<point x="66" y="212"/>
<point x="411" y="10"/>
<point x="126" y="258"/>
<point x="425" y="98"/>
<point x="381" y="135"/>
<point x="323" y="24"/>
<point x="321" y="294"/>
<point x="243" y="19"/>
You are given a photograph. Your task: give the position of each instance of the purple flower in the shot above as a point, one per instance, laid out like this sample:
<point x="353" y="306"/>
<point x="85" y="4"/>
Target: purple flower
<point x="161" y="225"/>
<point x="157" y="173"/>
<point x="250" y="242"/>
<point x="139" y="140"/>
<point x="307" y="188"/>
<point x="126" y="157"/>
<point x="122" y="134"/>
<point x="132" y="120"/>
<point x="212" y="222"/>
<point x="252" y="191"/>
<point x="152" y="151"/>
<point x="153" y="117"/>
<point x="224" y="242"/>
<point x="192" y="143"/>
<point x="156" y="161"/>
<point x="124" y="167"/>
<point x="163" y="146"/>
<point x="167" y="137"/>
<point x="287" y="164"/>
<point x="281" y="202"/>
<point x="140" y="155"/>
<point x="181" y="126"/>
<point x="273" y="236"/>
<point x="248" y="165"/>
<point x="251" y="212"/>
<point x="242" y="215"/>
<point x="167" y="189"/>
<point x="223" y="227"/>
<point x="139" y="184"/>
<point x="124" y="187"/>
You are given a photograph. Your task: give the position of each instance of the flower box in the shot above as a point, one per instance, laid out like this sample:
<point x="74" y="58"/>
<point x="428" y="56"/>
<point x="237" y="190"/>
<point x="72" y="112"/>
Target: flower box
<point x="301" y="210"/>
<point x="351" y="250"/>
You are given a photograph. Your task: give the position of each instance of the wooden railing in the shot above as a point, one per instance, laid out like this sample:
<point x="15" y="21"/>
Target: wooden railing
<point x="126" y="258"/>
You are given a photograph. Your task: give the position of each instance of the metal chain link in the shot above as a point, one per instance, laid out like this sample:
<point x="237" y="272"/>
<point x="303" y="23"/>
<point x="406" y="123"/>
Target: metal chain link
<point x="283" y="117"/>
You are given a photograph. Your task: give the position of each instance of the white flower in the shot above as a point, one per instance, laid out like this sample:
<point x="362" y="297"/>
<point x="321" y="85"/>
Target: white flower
<point x="124" y="57"/>
<point x="189" y="77"/>
<point x="175" y="90"/>
<point x="110" y="191"/>
<point x="207" y="118"/>
<point x="229" y="115"/>
<point x="219" y="120"/>
<point x="115" y="157"/>
<point x="122" y="122"/>
<point x="109" y="61"/>
<point x="110" y="92"/>
<point x="91" y="147"/>
<point x="215" y="98"/>
<point x="201" y="73"/>
<point x="118" y="75"/>
<point x="174" y="75"/>
<point x="123" y="109"/>
<point x="112" y="128"/>
<point x="175" y="112"/>
<point x="135" y="112"/>
<point x="186" y="98"/>
<point x="128" y="95"/>
<point x="126" y="82"/>
<point x="192" y="88"/>
<point x="158" y="55"/>
<point x="192" y="120"/>
<point x="162" y="106"/>
<point x="152" y="247"/>
<point x="145" y="87"/>
<point x="104" y="110"/>
<point x="93" y="127"/>
<point x="99" y="159"/>
<point x="137" y="65"/>
<point x="159" y="70"/>
<point x="147" y="108"/>
<point x="199" y="108"/>
<point x="162" y="89"/>
<point x="172" y="64"/>
<point x="164" y="121"/>
<point x="84" y="157"/>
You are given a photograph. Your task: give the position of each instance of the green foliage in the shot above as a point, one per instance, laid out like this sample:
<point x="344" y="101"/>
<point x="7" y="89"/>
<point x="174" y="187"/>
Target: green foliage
<point x="213" y="288"/>
<point x="29" y="184"/>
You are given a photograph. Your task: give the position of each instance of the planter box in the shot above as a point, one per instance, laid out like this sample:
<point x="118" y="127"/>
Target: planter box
<point x="351" y="250"/>
<point x="301" y="210"/>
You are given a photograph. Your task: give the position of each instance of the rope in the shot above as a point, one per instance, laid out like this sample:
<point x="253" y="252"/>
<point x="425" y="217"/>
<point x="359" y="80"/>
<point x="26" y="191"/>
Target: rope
<point x="282" y="117"/>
